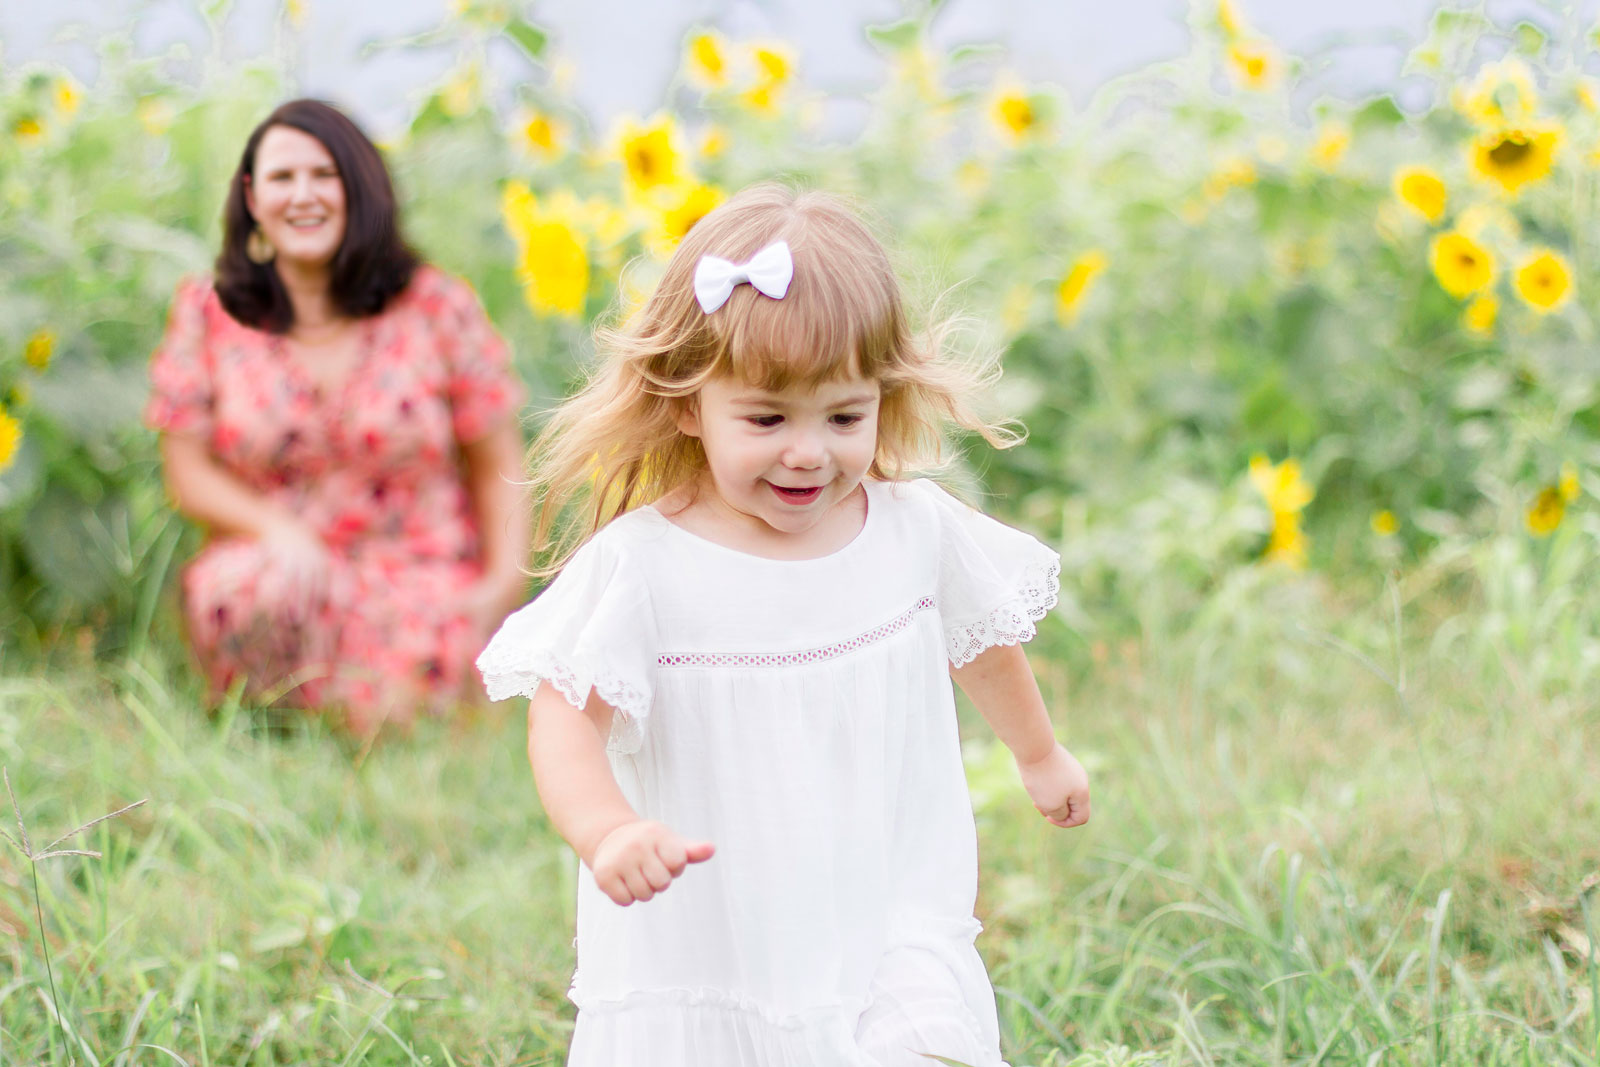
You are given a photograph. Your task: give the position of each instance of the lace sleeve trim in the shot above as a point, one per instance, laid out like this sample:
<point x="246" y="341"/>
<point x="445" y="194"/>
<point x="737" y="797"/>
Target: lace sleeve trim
<point x="630" y="701"/>
<point x="1012" y="622"/>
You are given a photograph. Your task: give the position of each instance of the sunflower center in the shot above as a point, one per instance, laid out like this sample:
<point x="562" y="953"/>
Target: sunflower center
<point x="1510" y="152"/>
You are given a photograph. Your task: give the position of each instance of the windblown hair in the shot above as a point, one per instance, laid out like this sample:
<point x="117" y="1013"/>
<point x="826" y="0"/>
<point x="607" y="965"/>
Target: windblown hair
<point x="615" y="445"/>
<point x="373" y="264"/>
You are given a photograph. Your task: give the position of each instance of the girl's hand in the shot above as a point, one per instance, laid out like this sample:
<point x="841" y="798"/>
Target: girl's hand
<point x="639" y="859"/>
<point x="1058" y="787"/>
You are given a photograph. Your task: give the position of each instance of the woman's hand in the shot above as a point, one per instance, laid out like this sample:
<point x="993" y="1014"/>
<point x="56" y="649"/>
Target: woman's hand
<point x="1058" y="786"/>
<point x="302" y="559"/>
<point x="639" y="859"/>
<point x="487" y="602"/>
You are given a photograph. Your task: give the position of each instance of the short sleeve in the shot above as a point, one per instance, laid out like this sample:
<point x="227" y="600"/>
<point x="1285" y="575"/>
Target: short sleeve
<point x="482" y="388"/>
<point x="181" y="388"/>
<point x="591" y="629"/>
<point x="995" y="582"/>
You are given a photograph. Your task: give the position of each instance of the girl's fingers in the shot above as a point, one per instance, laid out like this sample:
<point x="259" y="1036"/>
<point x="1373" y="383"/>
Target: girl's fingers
<point x="673" y="855"/>
<point x="700" y="851"/>
<point x="637" y="885"/>
<point x="655" y="872"/>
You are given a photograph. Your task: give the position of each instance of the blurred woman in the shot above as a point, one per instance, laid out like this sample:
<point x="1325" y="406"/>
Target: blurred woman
<point x="342" y="418"/>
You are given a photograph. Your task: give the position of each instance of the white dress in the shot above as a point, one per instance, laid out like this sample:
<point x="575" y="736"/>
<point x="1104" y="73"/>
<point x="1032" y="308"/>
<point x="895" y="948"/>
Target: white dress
<point x="799" y="714"/>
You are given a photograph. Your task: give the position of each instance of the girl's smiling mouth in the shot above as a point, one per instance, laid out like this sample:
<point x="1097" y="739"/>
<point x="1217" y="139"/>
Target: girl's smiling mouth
<point x="802" y="495"/>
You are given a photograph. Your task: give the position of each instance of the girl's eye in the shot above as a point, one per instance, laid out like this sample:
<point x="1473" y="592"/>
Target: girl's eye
<point x="847" y="420"/>
<point x="766" y="420"/>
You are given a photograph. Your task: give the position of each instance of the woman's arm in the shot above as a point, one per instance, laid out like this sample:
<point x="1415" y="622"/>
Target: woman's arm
<point x="493" y="476"/>
<point x="206" y="492"/>
<point x="632" y="858"/>
<point x="1000" y="684"/>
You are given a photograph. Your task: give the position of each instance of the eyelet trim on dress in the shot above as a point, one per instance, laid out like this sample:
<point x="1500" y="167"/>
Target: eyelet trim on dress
<point x="1012" y="622"/>
<point x="631" y="702"/>
<point x="789" y="659"/>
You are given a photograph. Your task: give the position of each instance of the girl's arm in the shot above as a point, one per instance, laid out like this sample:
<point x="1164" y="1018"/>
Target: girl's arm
<point x="1000" y="684"/>
<point x="632" y="858"/>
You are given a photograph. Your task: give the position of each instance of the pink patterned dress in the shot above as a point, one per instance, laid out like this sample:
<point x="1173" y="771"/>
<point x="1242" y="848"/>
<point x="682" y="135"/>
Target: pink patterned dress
<point x="375" y="468"/>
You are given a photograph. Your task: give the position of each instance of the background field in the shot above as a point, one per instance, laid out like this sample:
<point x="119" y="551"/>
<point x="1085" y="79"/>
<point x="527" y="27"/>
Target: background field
<point x="1312" y="392"/>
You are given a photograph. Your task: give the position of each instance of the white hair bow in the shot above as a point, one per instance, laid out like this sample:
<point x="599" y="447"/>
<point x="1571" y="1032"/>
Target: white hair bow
<point x="769" y="270"/>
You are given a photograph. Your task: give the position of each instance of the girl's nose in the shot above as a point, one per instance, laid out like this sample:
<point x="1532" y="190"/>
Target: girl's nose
<point x="805" y="450"/>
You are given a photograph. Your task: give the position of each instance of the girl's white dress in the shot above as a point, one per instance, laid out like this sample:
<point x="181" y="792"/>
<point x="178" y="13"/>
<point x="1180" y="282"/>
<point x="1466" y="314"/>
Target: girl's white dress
<point x="800" y="716"/>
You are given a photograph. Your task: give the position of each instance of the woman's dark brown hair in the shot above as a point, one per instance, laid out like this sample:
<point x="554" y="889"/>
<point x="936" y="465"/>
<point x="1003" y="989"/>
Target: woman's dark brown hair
<point x="373" y="263"/>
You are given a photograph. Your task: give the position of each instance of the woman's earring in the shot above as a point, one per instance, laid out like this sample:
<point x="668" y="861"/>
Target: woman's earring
<point x="258" y="248"/>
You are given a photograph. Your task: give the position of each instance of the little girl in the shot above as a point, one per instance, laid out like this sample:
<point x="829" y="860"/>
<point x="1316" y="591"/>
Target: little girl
<point x="741" y="709"/>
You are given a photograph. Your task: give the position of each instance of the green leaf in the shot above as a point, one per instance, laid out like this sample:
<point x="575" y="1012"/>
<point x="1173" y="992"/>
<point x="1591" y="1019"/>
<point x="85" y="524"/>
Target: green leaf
<point x="1378" y="112"/>
<point x="895" y="36"/>
<point x="530" y="38"/>
<point x="1529" y="39"/>
<point x="68" y="541"/>
<point x="968" y="52"/>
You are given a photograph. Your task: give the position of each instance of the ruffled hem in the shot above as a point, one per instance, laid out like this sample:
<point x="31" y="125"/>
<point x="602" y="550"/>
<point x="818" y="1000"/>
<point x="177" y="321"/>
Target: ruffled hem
<point x="507" y="675"/>
<point x="1012" y="623"/>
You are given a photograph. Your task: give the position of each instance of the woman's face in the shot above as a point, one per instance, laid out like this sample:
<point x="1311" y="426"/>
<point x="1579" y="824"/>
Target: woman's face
<point x="297" y="198"/>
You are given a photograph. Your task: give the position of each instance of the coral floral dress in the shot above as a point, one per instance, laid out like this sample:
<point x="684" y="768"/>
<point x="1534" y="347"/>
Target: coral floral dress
<point x="375" y="468"/>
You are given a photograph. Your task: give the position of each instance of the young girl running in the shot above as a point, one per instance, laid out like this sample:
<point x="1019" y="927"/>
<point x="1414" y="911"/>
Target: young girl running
<point x="741" y="705"/>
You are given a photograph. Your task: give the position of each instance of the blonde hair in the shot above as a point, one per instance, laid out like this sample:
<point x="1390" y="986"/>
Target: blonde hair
<point x="617" y="443"/>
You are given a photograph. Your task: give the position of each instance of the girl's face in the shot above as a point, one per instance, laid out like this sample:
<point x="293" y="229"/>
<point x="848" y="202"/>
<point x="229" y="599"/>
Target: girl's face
<point x="297" y="197"/>
<point x="783" y="461"/>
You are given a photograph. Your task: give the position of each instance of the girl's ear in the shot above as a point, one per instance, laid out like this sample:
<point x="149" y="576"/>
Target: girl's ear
<point x="689" y="416"/>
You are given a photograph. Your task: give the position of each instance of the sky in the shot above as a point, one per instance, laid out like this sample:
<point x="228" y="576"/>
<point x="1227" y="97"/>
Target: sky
<point x="623" y="54"/>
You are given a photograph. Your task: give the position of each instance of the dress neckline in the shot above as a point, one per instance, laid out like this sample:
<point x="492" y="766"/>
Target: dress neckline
<point x="337" y="390"/>
<point x="867" y="487"/>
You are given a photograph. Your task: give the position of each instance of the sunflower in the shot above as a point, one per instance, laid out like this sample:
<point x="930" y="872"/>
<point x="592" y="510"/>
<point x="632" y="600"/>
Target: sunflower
<point x="1255" y="64"/>
<point x="678" y="208"/>
<point x="1233" y="171"/>
<point x="1421" y="190"/>
<point x="705" y="60"/>
<point x="1012" y="111"/>
<point x="1548" y="509"/>
<point x="1230" y="21"/>
<point x="28" y="130"/>
<point x="650" y="153"/>
<point x="1502" y="94"/>
<point x="1481" y="313"/>
<point x="1075" y="285"/>
<point x="552" y="250"/>
<point x="67" y="97"/>
<point x="1288" y="541"/>
<point x="539" y="134"/>
<point x="37" y="352"/>
<point x="1515" y="156"/>
<point x="1569" y="485"/>
<point x="10" y="438"/>
<point x="1462" y="266"/>
<point x="1333" y="141"/>
<point x="774" y="65"/>
<point x="1281" y="485"/>
<point x="1544" y="280"/>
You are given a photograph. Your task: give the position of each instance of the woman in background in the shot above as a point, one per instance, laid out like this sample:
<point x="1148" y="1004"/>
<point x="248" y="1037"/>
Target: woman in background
<point x="342" y="418"/>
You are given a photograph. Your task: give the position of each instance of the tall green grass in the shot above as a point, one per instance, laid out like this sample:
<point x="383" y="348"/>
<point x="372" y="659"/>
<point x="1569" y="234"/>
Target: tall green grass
<point x="1321" y="836"/>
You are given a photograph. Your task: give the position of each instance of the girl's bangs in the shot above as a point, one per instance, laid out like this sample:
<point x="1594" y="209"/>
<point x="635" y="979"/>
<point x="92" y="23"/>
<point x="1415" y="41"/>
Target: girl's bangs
<point x="825" y="328"/>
